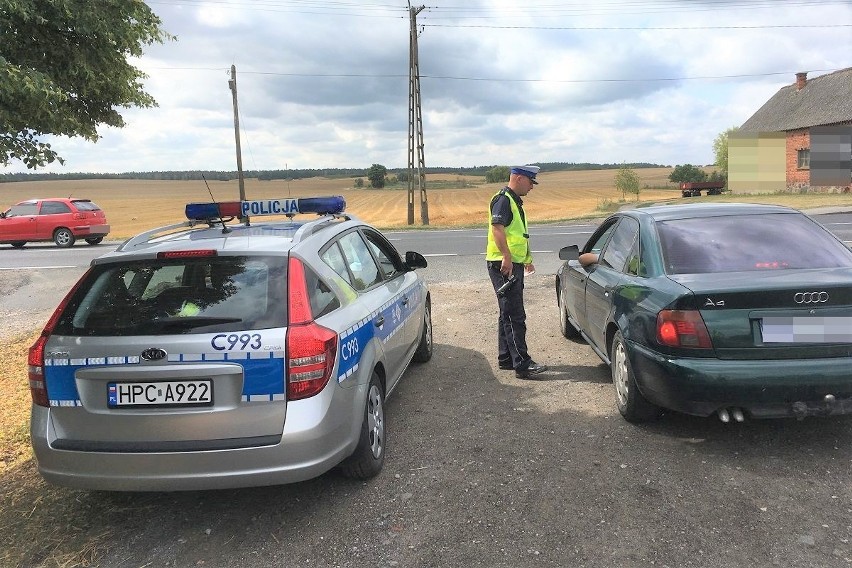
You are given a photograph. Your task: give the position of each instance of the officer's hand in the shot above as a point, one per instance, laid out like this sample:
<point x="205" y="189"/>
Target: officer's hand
<point x="506" y="267"/>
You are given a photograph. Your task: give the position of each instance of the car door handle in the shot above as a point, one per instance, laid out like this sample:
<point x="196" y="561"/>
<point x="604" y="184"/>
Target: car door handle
<point x="379" y="321"/>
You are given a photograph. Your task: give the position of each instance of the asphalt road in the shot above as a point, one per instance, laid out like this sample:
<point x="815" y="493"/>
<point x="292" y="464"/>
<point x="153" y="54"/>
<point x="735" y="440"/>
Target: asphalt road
<point x="454" y="254"/>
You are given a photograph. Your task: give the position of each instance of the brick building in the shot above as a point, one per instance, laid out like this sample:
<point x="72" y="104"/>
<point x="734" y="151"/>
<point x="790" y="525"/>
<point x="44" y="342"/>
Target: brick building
<point x="799" y="140"/>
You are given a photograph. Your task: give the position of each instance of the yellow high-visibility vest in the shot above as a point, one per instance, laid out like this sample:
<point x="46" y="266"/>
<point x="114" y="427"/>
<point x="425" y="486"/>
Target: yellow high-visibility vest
<point x="516" y="235"/>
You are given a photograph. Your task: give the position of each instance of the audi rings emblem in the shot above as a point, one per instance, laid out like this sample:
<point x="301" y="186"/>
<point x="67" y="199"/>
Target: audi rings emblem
<point x="810" y="297"/>
<point x="154" y="354"/>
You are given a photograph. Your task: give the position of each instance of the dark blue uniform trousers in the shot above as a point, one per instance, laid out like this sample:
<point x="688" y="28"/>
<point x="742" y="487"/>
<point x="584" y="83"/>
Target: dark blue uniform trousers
<point x="512" y="323"/>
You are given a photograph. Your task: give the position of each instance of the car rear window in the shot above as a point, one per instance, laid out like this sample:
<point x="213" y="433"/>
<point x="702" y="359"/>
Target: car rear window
<point x="738" y="243"/>
<point x="164" y="297"/>
<point x="86" y="206"/>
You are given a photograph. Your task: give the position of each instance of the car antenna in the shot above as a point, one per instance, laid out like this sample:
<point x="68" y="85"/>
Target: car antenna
<point x="225" y="228"/>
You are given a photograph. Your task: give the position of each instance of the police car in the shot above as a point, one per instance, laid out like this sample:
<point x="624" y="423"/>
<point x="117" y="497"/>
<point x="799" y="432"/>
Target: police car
<point x="212" y="353"/>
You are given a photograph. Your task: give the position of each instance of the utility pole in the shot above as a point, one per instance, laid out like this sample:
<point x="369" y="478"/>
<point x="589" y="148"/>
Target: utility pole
<point x="415" y="127"/>
<point x="232" y="84"/>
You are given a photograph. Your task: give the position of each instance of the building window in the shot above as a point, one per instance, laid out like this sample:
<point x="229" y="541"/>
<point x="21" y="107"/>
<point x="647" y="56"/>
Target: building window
<point x="804" y="159"/>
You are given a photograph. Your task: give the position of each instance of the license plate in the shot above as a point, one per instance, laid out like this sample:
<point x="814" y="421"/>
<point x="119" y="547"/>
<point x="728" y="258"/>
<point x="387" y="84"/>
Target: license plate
<point x="160" y="393"/>
<point x="807" y="329"/>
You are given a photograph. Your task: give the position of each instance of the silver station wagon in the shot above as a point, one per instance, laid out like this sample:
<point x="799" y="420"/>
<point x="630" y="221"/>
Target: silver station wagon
<point x="214" y="354"/>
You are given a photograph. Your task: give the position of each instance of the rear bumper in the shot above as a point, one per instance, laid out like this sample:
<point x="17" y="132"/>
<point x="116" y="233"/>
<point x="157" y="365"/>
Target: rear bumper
<point x="793" y="388"/>
<point x="313" y="441"/>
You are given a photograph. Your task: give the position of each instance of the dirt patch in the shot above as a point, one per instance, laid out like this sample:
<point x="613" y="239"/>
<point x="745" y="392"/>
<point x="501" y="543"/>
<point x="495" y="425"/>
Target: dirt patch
<point x="485" y="471"/>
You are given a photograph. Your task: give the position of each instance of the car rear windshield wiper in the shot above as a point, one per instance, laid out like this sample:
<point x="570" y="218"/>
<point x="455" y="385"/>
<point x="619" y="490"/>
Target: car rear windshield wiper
<point x="188" y="322"/>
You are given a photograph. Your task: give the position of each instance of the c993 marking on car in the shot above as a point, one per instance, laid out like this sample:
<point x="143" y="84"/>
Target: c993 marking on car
<point x="236" y="341"/>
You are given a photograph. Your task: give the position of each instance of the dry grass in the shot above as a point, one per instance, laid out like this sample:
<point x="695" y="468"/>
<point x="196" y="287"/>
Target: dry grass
<point x="136" y="205"/>
<point x="14" y="403"/>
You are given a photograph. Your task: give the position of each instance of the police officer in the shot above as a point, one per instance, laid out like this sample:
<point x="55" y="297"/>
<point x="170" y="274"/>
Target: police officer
<point x="508" y="257"/>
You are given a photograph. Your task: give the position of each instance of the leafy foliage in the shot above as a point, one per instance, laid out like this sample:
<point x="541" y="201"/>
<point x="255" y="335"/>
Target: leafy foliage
<point x="498" y="174"/>
<point x="717" y="176"/>
<point x="64" y="70"/>
<point x="627" y="181"/>
<point x="359" y="182"/>
<point x="687" y="172"/>
<point x="376" y="174"/>
<point x="720" y="149"/>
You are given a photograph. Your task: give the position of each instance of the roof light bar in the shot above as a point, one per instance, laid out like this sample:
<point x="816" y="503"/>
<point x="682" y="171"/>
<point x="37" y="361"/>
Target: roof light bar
<point x="319" y="205"/>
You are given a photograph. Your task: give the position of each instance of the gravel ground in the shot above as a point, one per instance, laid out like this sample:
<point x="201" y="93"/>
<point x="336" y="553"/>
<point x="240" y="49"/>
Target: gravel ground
<point x="484" y="470"/>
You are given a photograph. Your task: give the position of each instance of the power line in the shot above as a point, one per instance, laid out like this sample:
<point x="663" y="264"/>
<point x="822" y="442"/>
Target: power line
<point x="640" y="28"/>
<point x="317" y="8"/>
<point x="504" y="80"/>
<point x="619" y="8"/>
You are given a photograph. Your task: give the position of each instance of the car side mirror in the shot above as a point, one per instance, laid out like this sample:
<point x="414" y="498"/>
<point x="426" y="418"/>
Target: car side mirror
<point x="415" y="260"/>
<point x="569" y="253"/>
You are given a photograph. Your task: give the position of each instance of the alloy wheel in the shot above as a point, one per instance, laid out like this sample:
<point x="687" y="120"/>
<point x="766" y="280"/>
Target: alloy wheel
<point x="375" y="421"/>
<point x="620" y="374"/>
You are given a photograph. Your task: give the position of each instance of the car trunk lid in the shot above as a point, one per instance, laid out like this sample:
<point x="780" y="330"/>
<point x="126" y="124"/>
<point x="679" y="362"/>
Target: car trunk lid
<point x="779" y="314"/>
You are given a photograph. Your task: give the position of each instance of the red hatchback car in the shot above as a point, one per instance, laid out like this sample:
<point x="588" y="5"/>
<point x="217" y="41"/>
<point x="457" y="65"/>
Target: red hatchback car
<point x="60" y="220"/>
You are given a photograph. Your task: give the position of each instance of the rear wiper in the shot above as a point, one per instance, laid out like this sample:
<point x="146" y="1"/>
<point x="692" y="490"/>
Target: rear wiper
<point x="189" y="322"/>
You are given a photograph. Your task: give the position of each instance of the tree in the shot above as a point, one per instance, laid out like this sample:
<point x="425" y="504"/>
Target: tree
<point x="64" y="70"/>
<point x="376" y="174"/>
<point x="497" y="174"/>
<point x="359" y="182"/>
<point x="687" y="172"/>
<point x="627" y="181"/>
<point x="720" y="149"/>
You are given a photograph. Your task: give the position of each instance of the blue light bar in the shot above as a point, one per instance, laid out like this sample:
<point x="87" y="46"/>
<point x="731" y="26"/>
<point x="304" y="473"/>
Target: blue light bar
<point x="319" y="205"/>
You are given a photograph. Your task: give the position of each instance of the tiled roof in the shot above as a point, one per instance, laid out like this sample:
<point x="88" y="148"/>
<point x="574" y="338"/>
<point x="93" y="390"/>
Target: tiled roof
<point x="824" y="100"/>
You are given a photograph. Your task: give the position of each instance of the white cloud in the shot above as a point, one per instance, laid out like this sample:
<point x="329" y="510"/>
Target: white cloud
<point x="327" y="86"/>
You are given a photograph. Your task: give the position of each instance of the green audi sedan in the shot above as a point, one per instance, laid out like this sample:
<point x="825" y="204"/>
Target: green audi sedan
<point x="734" y="310"/>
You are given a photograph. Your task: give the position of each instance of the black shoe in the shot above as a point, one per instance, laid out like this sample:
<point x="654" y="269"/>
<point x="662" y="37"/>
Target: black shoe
<point x="530" y="372"/>
<point x="505" y="366"/>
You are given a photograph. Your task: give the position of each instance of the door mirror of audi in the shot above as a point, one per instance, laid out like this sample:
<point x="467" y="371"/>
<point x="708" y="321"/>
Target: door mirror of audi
<point x="569" y="253"/>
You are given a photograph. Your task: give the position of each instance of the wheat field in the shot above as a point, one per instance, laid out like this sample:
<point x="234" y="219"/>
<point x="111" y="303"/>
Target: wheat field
<point x="133" y="206"/>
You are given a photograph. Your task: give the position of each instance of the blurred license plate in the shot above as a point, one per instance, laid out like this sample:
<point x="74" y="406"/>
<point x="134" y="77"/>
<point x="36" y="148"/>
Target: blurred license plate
<point x="160" y="393"/>
<point x="807" y="329"/>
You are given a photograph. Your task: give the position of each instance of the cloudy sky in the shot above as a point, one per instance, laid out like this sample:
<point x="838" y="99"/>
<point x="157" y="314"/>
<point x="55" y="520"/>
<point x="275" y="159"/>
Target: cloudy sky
<point x="324" y="84"/>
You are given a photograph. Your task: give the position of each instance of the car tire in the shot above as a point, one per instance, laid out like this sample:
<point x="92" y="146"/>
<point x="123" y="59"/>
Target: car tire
<point x="631" y="404"/>
<point x="18" y="244"/>
<point x="63" y="237"/>
<point x="369" y="456"/>
<point x="94" y="240"/>
<point x="568" y="329"/>
<point x="424" y="348"/>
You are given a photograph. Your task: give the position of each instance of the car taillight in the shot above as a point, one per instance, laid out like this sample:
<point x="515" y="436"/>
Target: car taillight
<point x="35" y="372"/>
<point x="311" y="348"/>
<point x="35" y="357"/>
<point x="682" y="328"/>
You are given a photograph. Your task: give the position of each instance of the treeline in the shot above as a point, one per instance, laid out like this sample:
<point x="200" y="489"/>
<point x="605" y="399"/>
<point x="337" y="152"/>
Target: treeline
<point x="296" y="174"/>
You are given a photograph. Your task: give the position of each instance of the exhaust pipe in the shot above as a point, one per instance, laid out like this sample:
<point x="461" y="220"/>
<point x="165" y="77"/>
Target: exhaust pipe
<point x="725" y="415"/>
